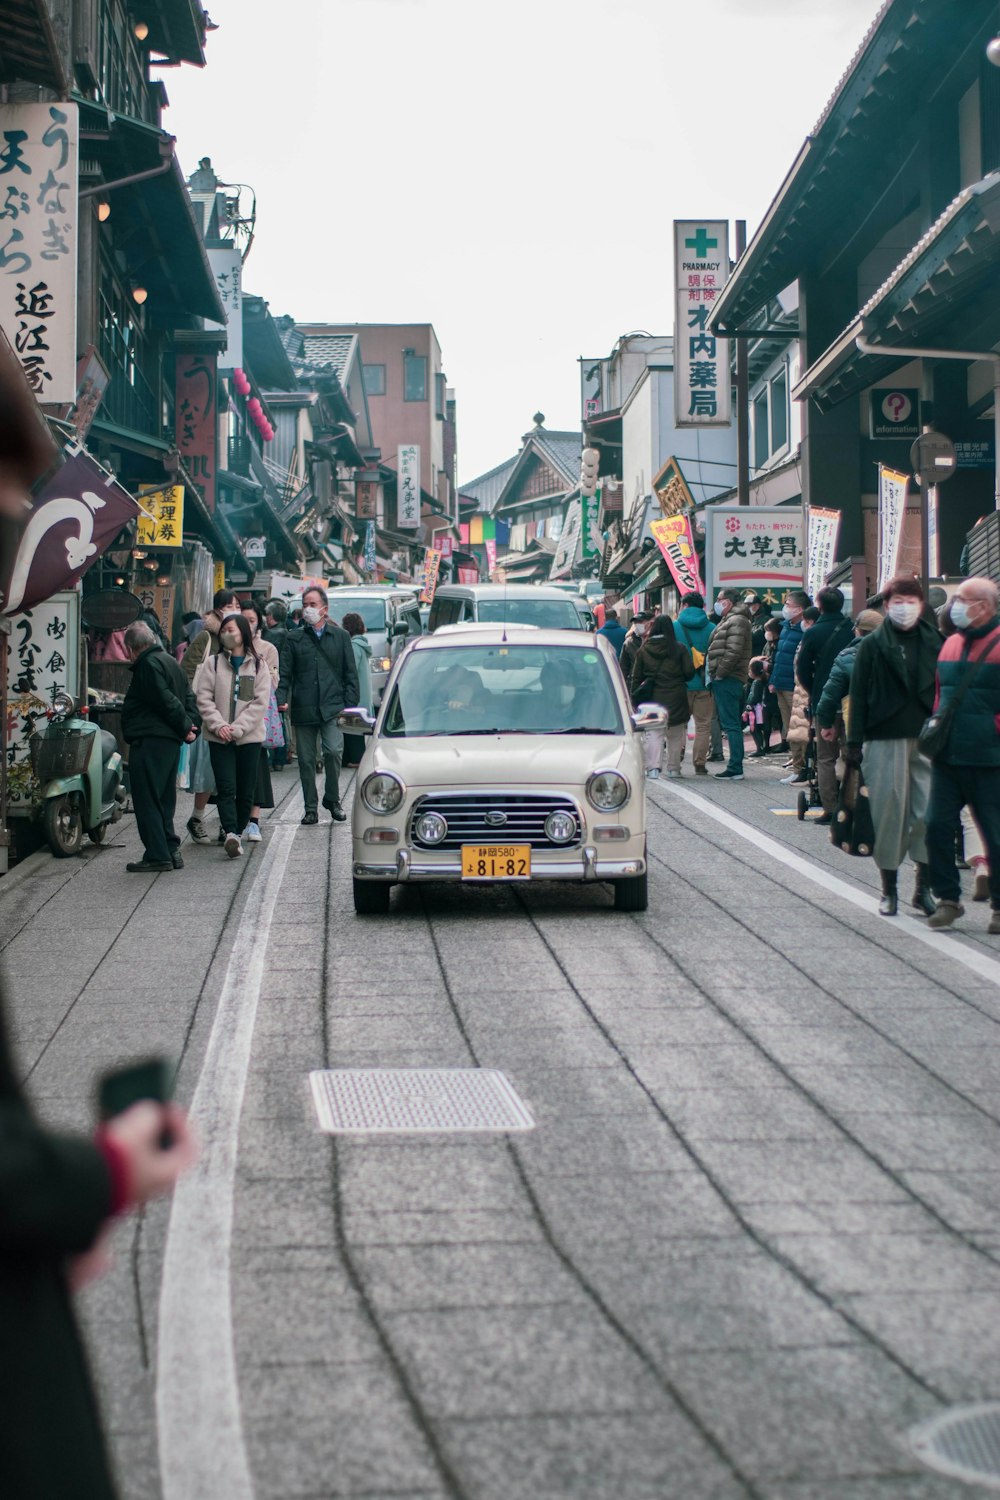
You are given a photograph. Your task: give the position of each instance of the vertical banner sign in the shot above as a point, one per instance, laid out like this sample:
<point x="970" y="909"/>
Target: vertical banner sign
<point x="197" y="428"/>
<point x="675" y="540"/>
<point x="593" y="542"/>
<point x="892" y="488"/>
<point x="163" y="524"/>
<point x="227" y="268"/>
<point x="370" y="564"/>
<point x="218" y="576"/>
<point x="823" y="530"/>
<point x="569" y="539"/>
<point x="366" y="495"/>
<point x="39" y="182"/>
<point x="702" y="393"/>
<point x="408" y="495"/>
<point x="43" y="657"/>
<point x="446" y="545"/>
<point x="432" y="566"/>
<point x="491" y="556"/>
<point x="755" y="547"/>
<point x="933" y="561"/>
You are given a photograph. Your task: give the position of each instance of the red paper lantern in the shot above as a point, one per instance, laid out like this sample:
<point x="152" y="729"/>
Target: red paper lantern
<point x="254" y="408"/>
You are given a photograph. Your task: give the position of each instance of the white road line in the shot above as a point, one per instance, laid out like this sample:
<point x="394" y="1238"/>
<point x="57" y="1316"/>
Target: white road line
<point x="202" y="1450"/>
<point x="942" y="942"/>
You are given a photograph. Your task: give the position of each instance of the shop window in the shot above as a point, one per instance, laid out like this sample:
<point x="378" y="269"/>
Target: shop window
<point x="414" y="377"/>
<point x="440" y="399"/>
<point x="374" y="377"/>
<point x="779" y="412"/>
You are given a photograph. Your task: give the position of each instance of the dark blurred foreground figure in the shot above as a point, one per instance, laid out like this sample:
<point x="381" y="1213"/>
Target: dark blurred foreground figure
<point x="58" y="1195"/>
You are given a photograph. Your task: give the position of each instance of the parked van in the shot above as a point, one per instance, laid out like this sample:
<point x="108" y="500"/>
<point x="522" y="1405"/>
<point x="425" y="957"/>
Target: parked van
<point x="498" y="603"/>
<point x="392" y="619"/>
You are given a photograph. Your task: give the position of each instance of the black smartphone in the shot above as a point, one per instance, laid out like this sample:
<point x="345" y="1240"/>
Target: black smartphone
<point x="120" y="1088"/>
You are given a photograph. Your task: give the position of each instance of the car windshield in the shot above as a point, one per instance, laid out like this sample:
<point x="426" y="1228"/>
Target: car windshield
<point x="503" y="689"/>
<point x="547" y="614"/>
<point x="372" y="611"/>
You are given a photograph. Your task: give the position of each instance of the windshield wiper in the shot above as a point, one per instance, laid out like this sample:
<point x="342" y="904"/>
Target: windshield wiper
<point x="579" y="729"/>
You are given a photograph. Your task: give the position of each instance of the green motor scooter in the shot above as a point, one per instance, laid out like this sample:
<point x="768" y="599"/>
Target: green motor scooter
<point x="81" y="778"/>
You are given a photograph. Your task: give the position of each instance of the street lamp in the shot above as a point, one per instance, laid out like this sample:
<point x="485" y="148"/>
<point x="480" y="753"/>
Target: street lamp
<point x="993" y="51"/>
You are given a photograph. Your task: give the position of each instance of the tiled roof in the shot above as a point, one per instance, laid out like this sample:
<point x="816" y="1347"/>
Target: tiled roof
<point x="562" y="449"/>
<point x="489" y="486"/>
<point x="330" y="349"/>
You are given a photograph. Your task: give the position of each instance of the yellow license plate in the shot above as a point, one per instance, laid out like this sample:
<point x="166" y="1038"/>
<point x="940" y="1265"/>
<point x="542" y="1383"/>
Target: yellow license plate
<point x="496" y="861"/>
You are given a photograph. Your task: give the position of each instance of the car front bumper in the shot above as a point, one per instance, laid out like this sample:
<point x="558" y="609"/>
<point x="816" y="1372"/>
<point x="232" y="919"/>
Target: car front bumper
<point x="583" y="864"/>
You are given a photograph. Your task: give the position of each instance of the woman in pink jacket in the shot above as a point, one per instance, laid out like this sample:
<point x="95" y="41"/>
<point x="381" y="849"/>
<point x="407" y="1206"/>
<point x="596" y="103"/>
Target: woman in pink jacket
<point x="232" y="690"/>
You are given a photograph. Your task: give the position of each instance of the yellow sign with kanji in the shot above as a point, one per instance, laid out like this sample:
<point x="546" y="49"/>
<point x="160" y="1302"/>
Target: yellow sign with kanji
<point x="163" y="525"/>
<point x="220" y="576"/>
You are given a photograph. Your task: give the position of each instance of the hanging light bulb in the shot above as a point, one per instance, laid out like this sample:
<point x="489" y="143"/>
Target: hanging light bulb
<point x="103" y="210"/>
<point x="139" y="294"/>
<point x="141" y="31"/>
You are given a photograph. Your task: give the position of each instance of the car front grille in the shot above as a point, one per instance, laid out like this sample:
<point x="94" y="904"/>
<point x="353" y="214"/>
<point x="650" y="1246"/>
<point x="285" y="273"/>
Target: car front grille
<point x="524" y="815"/>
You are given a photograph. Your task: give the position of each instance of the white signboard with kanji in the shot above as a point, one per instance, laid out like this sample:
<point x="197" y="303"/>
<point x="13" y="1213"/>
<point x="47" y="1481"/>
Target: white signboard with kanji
<point x="39" y="181"/>
<point x="755" y="547"/>
<point x="702" y="392"/>
<point x="824" y="528"/>
<point x="43" y="658"/>
<point x="408" y="489"/>
<point x="892" y="487"/>
<point x="227" y="268"/>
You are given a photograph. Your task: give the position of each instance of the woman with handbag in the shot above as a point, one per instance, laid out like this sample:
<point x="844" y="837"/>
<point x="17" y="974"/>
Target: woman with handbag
<point x="263" y="795"/>
<point x="232" y="690"/>
<point x="892" y="693"/>
<point x="660" y="675"/>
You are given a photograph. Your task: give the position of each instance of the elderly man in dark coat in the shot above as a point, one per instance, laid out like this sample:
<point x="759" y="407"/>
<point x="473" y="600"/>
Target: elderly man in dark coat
<point x="158" y="716"/>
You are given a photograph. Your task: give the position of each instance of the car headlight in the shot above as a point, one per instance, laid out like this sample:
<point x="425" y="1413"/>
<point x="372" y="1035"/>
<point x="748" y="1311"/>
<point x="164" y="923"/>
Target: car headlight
<point x="430" y="828"/>
<point x="607" y="790"/>
<point x="383" y="664"/>
<point x="382" y="793"/>
<point x="560" y="827"/>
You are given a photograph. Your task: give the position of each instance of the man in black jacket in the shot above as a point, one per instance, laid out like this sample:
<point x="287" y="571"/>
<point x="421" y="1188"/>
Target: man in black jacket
<point x="318" y="675"/>
<point x="158" y="716"/>
<point x="821" y="645"/>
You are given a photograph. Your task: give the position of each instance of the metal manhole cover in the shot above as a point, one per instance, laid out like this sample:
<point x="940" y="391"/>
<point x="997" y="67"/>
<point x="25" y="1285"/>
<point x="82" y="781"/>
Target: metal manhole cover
<point x="372" y="1101"/>
<point x="964" y="1443"/>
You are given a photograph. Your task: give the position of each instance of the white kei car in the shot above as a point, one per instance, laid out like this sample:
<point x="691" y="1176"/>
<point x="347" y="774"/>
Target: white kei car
<point x="502" y="754"/>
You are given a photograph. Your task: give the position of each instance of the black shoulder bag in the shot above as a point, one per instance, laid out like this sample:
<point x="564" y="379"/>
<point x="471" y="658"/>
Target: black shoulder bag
<point x="932" y="740"/>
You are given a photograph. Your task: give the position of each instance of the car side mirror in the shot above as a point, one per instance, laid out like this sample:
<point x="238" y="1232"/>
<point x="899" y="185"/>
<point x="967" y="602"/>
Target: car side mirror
<point x="356" y="721"/>
<point x="401" y="627"/>
<point x="650" y="718"/>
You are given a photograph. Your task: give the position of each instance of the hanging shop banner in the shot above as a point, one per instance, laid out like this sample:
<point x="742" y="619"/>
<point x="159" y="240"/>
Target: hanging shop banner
<point x="491" y="556"/>
<point x="675" y="539"/>
<point x="567" y="550"/>
<point x="227" y="268"/>
<point x="366" y="499"/>
<point x="468" y="575"/>
<point x="702" y="392"/>
<point x="218" y="576"/>
<point x="39" y="183"/>
<point x="432" y="567"/>
<point x="672" y="490"/>
<point x="823" y="528"/>
<point x="892" y="487"/>
<point x="933" y="560"/>
<point x="446" y="546"/>
<point x="163" y="524"/>
<point x="92" y="380"/>
<point x="408" y="487"/>
<point x="74" y="518"/>
<point x="593" y="542"/>
<point x="43" y="657"/>
<point x="370" y="563"/>
<point x="195" y="387"/>
<point x="755" y="547"/>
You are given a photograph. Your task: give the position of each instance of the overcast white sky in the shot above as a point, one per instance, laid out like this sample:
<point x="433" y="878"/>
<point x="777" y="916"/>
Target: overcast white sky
<point x="508" y="172"/>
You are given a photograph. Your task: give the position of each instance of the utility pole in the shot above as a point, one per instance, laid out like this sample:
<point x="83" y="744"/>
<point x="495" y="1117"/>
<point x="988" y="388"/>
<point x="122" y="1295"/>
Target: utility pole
<point x="742" y="394"/>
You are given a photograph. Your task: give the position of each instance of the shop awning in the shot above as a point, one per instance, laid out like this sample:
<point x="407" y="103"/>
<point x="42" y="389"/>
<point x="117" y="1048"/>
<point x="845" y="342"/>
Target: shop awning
<point x="28" y="48"/>
<point x="649" y="578"/>
<point x="177" y="29"/>
<point x="943" y="293"/>
<point x="161" y="239"/>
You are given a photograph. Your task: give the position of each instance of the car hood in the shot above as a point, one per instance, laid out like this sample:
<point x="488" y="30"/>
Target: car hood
<point x="508" y="760"/>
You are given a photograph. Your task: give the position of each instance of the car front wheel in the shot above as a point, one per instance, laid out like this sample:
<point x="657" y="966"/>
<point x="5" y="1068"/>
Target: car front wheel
<point x="371" y="897"/>
<point x="631" y="893"/>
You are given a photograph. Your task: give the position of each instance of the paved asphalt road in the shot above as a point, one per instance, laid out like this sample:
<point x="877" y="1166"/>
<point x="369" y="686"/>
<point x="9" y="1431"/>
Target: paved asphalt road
<point x="753" y="1240"/>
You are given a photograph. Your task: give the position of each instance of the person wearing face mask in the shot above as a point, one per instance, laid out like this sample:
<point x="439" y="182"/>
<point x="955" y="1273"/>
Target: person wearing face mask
<point x="728" y="660"/>
<point x="636" y="634"/>
<point x="201" y="778"/>
<point x="233" y="689"/>
<point x="782" y="683"/>
<point x="318" y="675"/>
<point x="892" y="694"/>
<point x="660" y="675"/>
<point x="967" y="773"/>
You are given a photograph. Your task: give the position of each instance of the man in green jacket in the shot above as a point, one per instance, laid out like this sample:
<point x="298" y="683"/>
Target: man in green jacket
<point x="728" y="669"/>
<point x="892" y="695"/>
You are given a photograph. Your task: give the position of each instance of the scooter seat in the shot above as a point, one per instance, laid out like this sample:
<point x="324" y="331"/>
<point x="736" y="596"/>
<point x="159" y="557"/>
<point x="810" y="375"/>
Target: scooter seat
<point x="109" y="745"/>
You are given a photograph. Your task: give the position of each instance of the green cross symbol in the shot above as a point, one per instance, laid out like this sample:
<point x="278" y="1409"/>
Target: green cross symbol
<point x="701" y="244"/>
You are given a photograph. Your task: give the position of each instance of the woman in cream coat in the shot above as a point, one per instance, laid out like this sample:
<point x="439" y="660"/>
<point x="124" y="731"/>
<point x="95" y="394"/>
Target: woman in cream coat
<point x="232" y="690"/>
<point x="263" y="795"/>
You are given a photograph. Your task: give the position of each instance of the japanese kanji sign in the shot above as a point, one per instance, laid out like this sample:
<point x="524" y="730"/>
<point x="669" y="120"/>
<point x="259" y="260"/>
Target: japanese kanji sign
<point x="590" y="532"/>
<point x="73" y="519"/>
<point x="671" y="489"/>
<point x="432" y="566"/>
<point x="755" y="547"/>
<point x="408" y="488"/>
<point x="892" y="488"/>
<point x="227" y="268"/>
<point x="675" y="540"/>
<point x="43" y="657"/>
<point x="370" y="559"/>
<point x="195" y="420"/>
<point x="164" y="525"/>
<point x="701" y="361"/>
<point x="38" y="242"/>
<point x="366" y="494"/>
<point x="823" y="530"/>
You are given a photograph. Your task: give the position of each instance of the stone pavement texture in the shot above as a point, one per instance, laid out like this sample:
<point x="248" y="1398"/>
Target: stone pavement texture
<point x="754" y="1238"/>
